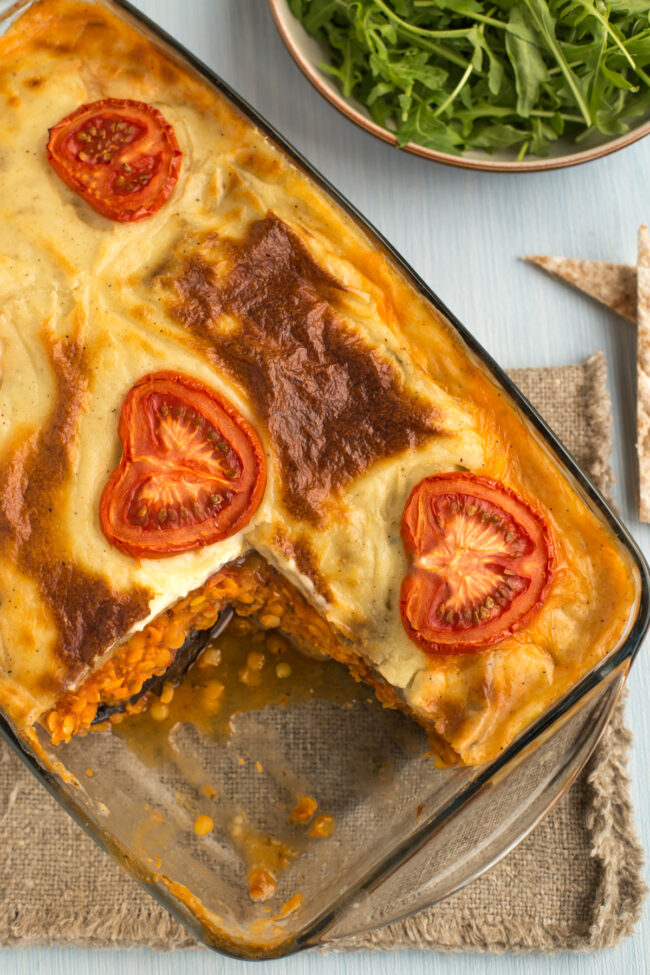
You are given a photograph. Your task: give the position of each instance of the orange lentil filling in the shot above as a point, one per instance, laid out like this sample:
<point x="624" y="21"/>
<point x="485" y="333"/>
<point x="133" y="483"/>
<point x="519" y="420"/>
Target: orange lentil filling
<point x="147" y="653"/>
<point x="261" y="884"/>
<point x="323" y="826"/>
<point x="253" y="588"/>
<point x="304" y="810"/>
<point x="248" y="587"/>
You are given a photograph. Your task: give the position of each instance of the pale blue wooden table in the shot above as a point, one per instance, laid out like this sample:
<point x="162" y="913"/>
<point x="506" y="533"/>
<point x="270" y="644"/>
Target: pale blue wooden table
<point x="463" y="232"/>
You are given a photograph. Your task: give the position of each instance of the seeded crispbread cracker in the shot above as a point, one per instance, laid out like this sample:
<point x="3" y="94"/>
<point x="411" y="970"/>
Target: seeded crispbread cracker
<point x="613" y="285"/>
<point x="643" y="373"/>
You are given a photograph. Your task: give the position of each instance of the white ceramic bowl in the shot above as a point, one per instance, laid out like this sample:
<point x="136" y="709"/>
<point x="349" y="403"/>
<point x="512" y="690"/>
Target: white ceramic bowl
<point x="308" y="54"/>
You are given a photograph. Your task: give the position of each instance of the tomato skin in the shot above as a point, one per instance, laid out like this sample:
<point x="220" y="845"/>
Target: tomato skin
<point x="184" y="446"/>
<point x="119" y="155"/>
<point x="482" y="563"/>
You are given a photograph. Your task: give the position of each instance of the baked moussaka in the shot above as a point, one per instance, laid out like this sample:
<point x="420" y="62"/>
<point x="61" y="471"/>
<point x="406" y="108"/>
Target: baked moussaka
<point x="218" y="391"/>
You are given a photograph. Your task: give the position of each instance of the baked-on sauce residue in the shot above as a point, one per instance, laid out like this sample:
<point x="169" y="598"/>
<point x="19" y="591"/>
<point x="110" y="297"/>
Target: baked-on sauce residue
<point x="89" y="614"/>
<point x="332" y="405"/>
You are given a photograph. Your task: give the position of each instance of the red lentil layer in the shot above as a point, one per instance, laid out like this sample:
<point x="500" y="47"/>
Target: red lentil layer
<point x="250" y="587"/>
<point x="147" y="653"/>
<point x="253" y="588"/>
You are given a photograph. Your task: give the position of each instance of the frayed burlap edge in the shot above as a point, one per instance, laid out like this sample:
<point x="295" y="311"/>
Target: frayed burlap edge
<point x="153" y="928"/>
<point x="618" y="902"/>
<point x="621" y="890"/>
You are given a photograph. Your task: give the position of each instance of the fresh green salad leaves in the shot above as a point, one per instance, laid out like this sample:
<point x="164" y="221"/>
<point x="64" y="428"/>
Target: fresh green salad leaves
<point x="455" y="75"/>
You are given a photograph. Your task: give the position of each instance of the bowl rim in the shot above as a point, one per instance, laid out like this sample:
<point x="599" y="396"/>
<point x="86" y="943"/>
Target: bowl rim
<point x="282" y="17"/>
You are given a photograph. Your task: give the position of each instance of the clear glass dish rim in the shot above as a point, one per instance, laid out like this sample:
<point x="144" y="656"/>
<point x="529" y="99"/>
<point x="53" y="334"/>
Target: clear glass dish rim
<point x="622" y="655"/>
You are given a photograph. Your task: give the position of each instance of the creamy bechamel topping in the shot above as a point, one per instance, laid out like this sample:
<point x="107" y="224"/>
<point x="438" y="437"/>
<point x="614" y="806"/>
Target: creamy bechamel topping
<point x="252" y="281"/>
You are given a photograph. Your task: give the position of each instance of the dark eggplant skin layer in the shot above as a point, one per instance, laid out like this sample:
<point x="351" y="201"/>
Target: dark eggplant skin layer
<point x="195" y="643"/>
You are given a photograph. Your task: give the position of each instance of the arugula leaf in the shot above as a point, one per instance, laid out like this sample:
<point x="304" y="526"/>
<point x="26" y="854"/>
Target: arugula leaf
<point x="543" y="134"/>
<point x="527" y="63"/>
<point x="458" y="75"/>
<point x="545" y="24"/>
<point x="631" y="8"/>
<point x="498" y="137"/>
<point x="427" y="131"/>
<point x="318" y="15"/>
<point x="617" y="80"/>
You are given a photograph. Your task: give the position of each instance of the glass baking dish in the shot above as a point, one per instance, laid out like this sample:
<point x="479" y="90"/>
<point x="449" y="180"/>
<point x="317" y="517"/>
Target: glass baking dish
<point x="408" y="833"/>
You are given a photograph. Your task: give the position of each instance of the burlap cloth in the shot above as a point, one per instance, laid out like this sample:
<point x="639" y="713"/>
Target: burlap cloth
<point x="574" y="883"/>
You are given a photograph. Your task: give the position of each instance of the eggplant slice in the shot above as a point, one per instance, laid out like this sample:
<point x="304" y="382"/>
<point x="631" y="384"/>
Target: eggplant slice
<point x="195" y="642"/>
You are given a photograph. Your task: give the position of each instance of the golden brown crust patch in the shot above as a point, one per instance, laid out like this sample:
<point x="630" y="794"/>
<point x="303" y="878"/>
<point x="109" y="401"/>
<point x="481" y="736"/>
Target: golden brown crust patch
<point x="300" y="551"/>
<point x="332" y="405"/>
<point x="88" y="612"/>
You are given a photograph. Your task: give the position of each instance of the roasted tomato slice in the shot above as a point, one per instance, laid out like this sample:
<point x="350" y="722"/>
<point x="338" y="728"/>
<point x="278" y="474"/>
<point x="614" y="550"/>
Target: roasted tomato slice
<point x="481" y="563"/>
<point x="120" y="156"/>
<point x="192" y="470"/>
